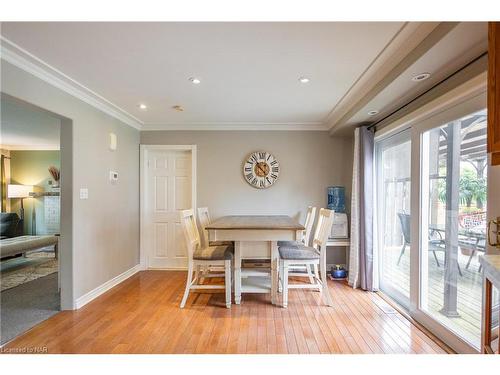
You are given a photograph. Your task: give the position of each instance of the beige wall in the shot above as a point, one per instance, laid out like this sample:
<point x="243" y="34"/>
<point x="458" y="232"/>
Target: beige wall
<point x="310" y="161"/>
<point x="105" y="237"/>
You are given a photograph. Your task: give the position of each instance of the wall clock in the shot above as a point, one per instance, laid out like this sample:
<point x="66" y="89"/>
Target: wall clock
<point x="261" y="169"/>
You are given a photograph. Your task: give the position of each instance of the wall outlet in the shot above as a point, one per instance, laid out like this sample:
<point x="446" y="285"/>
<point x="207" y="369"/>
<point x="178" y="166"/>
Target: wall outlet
<point x="84" y="193"/>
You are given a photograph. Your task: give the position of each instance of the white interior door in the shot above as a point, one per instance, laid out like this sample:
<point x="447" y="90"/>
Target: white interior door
<point x="168" y="190"/>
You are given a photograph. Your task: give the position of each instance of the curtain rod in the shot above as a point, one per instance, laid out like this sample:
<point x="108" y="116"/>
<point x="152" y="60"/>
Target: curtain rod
<point x="425" y="92"/>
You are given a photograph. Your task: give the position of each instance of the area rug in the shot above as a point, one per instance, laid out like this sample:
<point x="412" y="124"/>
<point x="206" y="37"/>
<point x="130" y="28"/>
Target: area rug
<point x="27" y="305"/>
<point x="17" y="271"/>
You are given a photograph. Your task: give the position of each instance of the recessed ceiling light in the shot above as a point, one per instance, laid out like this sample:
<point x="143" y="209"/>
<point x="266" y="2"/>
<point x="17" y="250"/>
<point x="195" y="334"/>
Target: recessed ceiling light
<point x="194" y="80"/>
<point x="304" y="80"/>
<point x="178" y="108"/>
<point x="421" y="77"/>
<point x="143" y="106"/>
<point x="373" y="113"/>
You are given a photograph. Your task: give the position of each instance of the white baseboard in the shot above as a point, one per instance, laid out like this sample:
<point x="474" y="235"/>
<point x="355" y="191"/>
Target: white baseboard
<point x="103" y="288"/>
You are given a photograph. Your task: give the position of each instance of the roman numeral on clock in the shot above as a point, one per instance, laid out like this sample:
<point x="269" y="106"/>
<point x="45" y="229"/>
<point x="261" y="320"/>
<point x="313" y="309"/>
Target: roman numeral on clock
<point x="262" y="155"/>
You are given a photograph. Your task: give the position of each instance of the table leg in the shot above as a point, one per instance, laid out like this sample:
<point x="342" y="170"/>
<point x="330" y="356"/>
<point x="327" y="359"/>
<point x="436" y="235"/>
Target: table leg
<point x="237" y="272"/>
<point x="274" y="271"/>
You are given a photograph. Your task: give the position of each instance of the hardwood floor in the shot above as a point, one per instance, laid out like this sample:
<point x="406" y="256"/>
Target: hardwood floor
<point x="142" y="315"/>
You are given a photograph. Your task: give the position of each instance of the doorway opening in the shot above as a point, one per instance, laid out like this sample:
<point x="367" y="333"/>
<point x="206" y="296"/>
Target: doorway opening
<point x="35" y="264"/>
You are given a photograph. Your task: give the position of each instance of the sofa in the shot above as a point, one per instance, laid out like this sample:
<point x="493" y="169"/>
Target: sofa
<point x="10" y="225"/>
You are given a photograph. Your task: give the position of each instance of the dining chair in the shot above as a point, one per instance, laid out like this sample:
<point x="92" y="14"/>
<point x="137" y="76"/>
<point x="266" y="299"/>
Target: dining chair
<point x="306" y="235"/>
<point x="300" y="254"/>
<point x="204" y="218"/>
<point x="206" y="256"/>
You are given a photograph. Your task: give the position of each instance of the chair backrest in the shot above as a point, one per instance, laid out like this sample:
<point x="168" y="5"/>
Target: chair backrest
<point x="405" y="221"/>
<point x="204" y="218"/>
<point x="311" y="213"/>
<point x="323" y="229"/>
<point x="190" y="229"/>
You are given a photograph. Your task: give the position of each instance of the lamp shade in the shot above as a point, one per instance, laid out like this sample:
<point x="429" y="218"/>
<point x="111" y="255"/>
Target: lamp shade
<point x="19" y="191"/>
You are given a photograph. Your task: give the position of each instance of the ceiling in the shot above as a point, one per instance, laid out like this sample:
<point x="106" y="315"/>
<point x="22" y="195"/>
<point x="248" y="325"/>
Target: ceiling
<point x="249" y="72"/>
<point x="460" y="46"/>
<point x="25" y="128"/>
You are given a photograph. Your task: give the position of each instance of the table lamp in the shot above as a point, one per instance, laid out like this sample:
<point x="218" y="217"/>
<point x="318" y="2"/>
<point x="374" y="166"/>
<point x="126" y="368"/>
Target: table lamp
<point x="21" y="192"/>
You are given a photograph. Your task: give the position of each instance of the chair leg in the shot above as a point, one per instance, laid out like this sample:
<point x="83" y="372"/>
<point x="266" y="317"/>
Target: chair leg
<point x="316" y="272"/>
<point x="401" y="253"/>
<point x="459" y="269"/>
<point x="436" y="258"/>
<point x="285" y="283"/>
<point x="325" y="291"/>
<point x="470" y="258"/>
<point x="227" y="282"/>
<point x="197" y="274"/>
<point x="188" y="284"/>
<point x="309" y="273"/>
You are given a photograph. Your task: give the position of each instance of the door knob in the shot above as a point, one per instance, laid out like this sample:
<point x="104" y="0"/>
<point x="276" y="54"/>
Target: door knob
<point x="493" y="228"/>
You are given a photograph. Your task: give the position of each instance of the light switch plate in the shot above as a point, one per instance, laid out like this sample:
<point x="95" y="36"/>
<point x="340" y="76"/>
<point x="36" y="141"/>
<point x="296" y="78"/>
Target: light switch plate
<point x="113" y="177"/>
<point x="84" y="193"/>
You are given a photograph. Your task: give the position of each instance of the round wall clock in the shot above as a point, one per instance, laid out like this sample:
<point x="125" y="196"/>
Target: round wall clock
<point x="261" y="169"/>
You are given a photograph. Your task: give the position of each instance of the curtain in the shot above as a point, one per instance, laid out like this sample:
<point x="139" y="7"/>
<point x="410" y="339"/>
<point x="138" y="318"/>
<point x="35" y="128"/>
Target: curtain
<point x="3" y="187"/>
<point x="362" y="259"/>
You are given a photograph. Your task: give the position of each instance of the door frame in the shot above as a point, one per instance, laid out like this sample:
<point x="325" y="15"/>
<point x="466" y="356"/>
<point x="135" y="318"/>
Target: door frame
<point x="467" y="98"/>
<point x="462" y="107"/>
<point x="144" y="153"/>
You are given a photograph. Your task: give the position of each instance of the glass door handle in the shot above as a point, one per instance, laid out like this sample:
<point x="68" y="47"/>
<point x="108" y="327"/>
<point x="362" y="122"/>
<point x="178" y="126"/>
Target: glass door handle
<point x="496" y="232"/>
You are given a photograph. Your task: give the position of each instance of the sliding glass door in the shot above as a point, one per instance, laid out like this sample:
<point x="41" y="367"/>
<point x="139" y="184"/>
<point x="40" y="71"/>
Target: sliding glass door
<point x="453" y="223"/>
<point x="393" y="158"/>
<point x="429" y="240"/>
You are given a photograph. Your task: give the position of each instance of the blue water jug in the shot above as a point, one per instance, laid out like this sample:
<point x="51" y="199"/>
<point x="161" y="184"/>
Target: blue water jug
<point x="336" y="198"/>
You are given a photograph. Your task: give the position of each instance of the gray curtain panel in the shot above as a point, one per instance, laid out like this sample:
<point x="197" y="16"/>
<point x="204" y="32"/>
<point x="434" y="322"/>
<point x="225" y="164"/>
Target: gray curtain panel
<point x="366" y="202"/>
<point x="361" y="271"/>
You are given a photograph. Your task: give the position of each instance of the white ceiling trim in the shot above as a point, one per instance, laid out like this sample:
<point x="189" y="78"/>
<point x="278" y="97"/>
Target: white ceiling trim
<point x="255" y="126"/>
<point x="24" y="60"/>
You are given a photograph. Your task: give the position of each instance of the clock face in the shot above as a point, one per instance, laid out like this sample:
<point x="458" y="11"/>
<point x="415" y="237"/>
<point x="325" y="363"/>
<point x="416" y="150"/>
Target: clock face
<point x="261" y="169"/>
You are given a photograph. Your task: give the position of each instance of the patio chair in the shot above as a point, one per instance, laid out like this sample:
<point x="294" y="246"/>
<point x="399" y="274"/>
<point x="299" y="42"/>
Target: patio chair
<point x="435" y="244"/>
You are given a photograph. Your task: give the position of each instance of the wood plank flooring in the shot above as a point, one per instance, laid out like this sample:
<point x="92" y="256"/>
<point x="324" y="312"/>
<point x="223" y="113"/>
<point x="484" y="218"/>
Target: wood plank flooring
<point x="142" y="315"/>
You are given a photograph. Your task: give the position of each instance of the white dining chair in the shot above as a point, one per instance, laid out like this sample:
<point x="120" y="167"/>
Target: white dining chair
<point x="306" y="235"/>
<point x="300" y="254"/>
<point x="204" y="256"/>
<point x="204" y="218"/>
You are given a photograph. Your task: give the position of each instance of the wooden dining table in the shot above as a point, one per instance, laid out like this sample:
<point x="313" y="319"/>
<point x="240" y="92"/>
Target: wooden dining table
<point x="255" y="237"/>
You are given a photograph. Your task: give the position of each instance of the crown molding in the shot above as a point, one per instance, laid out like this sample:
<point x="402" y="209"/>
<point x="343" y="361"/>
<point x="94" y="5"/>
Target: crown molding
<point x="234" y="126"/>
<point x="17" y="56"/>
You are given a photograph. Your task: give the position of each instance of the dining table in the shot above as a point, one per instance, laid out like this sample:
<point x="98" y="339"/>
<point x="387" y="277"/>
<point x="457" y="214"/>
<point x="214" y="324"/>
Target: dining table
<point x="255" y="237"/>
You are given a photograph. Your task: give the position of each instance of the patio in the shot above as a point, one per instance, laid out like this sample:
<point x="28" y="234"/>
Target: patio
<point x="468" y="321"/>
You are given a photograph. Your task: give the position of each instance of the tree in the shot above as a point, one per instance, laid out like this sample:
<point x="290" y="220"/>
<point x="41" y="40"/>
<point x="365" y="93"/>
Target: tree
<point x="471" y="188"/>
